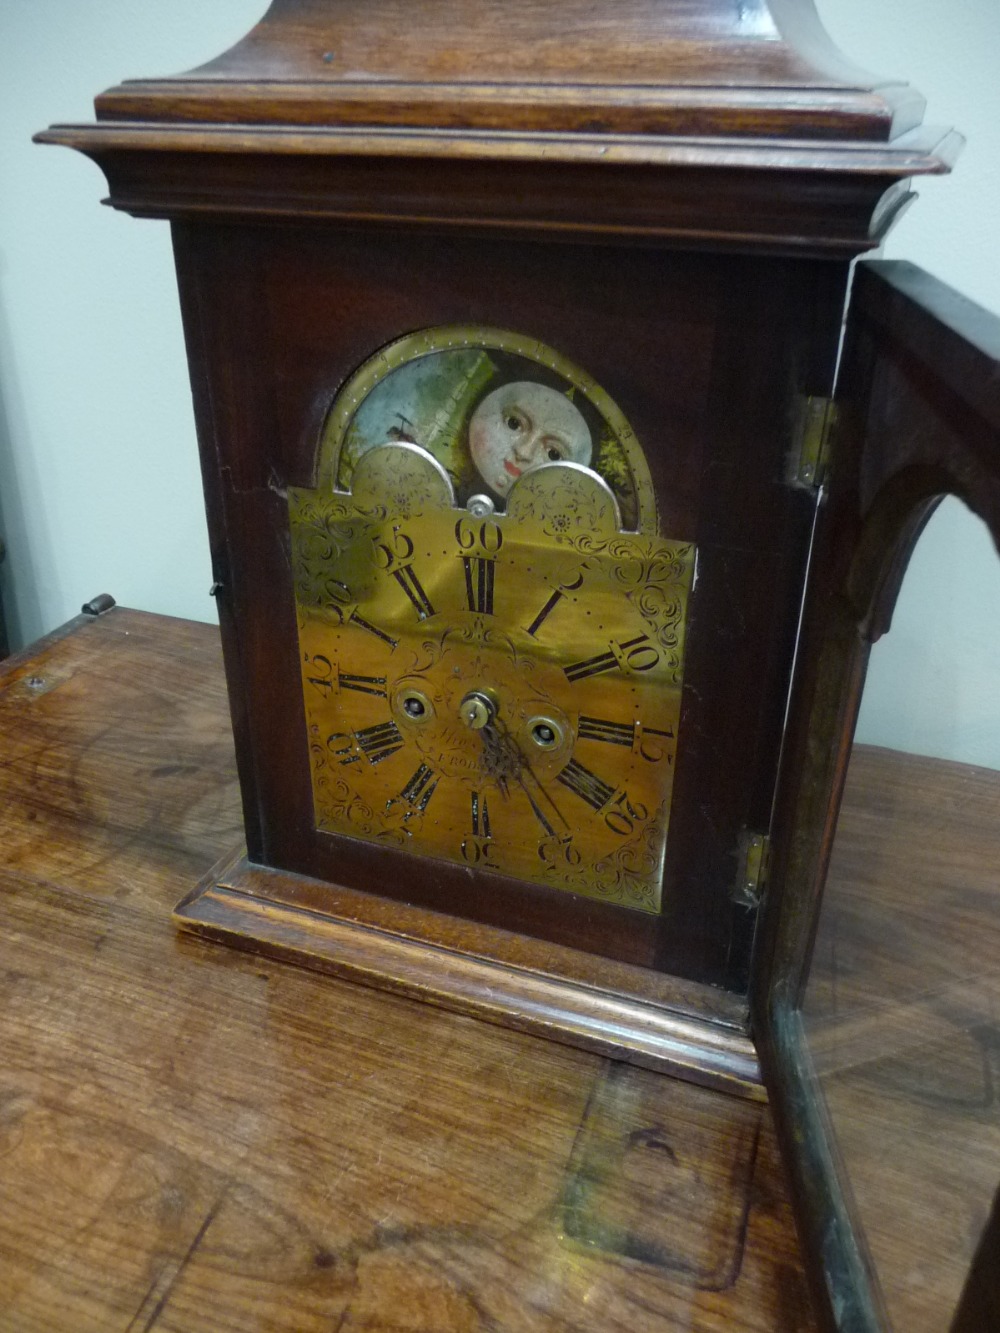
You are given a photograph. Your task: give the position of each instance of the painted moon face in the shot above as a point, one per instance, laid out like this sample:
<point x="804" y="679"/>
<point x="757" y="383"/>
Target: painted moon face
<point x="522" y="425"/>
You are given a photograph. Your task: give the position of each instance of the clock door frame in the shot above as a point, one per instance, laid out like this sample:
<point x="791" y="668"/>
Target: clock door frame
<point x="919" y="419"/>
<point x="252" y="297"/>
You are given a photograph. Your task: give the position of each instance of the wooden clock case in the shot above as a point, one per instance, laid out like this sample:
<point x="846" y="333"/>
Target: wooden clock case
<point x="670" y="195"/>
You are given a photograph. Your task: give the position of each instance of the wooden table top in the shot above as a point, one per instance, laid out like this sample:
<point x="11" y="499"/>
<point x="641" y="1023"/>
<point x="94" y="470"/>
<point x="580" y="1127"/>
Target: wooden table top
<point x="193" y="1138"/>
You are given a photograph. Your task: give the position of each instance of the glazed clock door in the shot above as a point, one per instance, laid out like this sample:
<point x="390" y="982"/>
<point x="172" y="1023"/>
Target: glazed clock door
<point x="876" y="1002"/>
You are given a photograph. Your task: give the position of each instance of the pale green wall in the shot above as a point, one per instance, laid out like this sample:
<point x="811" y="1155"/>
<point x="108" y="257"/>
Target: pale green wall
<point x="94" y="394"/>
<point x="934" y="682"/>
<point x="93" y="384"/>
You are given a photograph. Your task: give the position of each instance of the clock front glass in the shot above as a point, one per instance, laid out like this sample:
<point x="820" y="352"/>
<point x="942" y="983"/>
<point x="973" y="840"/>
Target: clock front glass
<point x="492" y="678"/>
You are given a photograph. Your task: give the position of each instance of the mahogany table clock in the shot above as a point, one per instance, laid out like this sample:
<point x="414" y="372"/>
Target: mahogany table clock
<point x="512" y="334"/>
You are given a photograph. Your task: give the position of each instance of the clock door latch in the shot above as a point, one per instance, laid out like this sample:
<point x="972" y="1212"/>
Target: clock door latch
<point x="815" y="420"/>
<point x="753" y="859"/>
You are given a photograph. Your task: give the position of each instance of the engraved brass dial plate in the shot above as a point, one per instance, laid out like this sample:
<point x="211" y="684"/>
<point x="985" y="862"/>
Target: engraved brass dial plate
<point x="498" y="688"/>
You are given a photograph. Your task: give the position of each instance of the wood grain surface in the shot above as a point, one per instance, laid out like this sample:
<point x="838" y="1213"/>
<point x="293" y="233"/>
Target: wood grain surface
<point x="192" y="1138"/>
<point x="699" y="120"/>
<point x="901" y="1018"/>
<point x="688" y="68"/>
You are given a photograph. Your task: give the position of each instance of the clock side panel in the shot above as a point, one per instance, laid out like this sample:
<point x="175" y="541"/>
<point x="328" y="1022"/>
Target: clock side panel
<point x="704" y="355"/>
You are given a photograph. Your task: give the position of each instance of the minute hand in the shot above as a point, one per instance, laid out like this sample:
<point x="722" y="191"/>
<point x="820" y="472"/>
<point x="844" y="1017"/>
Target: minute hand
<point x="526" y="773"/>
<point x="538" y="811"/>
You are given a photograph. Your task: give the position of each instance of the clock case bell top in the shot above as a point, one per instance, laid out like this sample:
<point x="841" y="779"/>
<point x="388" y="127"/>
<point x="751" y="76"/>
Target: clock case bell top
<point x="670" y="195"/>
<point x="708" y="123"/>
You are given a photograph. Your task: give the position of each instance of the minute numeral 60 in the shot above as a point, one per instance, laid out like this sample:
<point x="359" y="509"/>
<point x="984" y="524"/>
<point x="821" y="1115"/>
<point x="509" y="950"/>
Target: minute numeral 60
<point x="487" y="535"/>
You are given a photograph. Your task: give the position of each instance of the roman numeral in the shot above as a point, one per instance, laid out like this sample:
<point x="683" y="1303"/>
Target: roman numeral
<point x="420" y="788"/>
<point x="480" y="817"/>
<point x="591" y="666"/>
<point x="411" y="585"/>
<point x="600" y="729"/>
<point x="363" y="684"/>
<point x="545" y="612"/>
<point x="479" y="577"/>
<point x="572" y="584"/>
<point x="379" y="742"/>
<point x="355" y="619"/>
<point x="585" y="784"/>
<point x="479" y="847"/>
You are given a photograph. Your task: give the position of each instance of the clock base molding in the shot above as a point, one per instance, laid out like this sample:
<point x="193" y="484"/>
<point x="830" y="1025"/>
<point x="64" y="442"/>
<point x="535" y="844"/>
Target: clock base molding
<point x="617" y="1010"/>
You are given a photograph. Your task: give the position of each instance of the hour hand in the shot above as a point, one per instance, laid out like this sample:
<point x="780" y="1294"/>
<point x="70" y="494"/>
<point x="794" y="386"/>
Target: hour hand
<point x="502" y="760"/>
<point x="544" y="807"/>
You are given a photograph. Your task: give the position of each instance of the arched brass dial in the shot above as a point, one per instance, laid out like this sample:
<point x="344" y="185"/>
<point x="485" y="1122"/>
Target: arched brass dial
<point x="498" y="690"/>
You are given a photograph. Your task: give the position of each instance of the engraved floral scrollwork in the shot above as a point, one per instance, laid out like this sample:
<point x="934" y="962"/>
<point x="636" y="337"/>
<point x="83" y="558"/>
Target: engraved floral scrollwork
<point x="564" y="500"/>
<point x="326" y="531"/>
<point x="629" y="873"/>
<point x="341" y="804"/>
<point x="317" y="751"/>
<point x="402" y="479"/>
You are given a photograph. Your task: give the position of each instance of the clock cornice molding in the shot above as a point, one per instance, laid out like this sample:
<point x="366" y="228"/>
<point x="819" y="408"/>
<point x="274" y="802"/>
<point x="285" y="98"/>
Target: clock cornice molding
<point x="697" y="123"/>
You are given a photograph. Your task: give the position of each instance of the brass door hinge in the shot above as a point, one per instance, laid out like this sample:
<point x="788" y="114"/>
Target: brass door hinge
<point x="807" y="460"/>
<point x="751" y="870"/>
